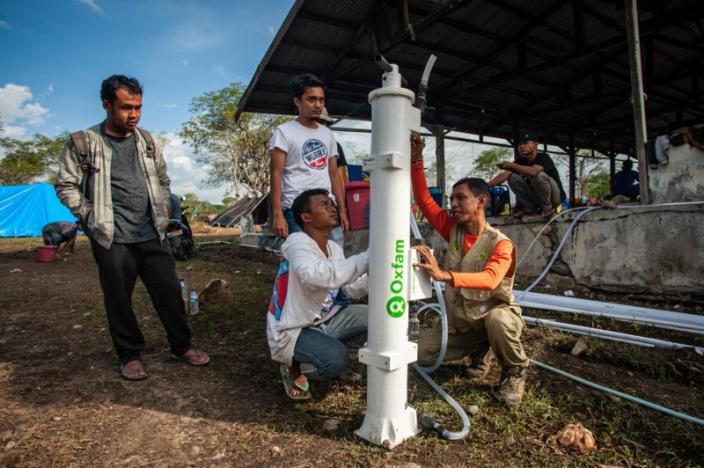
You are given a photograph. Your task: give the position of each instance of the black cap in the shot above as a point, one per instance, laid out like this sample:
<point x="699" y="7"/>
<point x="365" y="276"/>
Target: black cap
<point x="525" y="136"/>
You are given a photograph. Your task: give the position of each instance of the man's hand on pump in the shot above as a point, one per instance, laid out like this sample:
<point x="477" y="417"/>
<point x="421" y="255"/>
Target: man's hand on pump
<point x="430" y="264"/>
<point x="417" y="145"/>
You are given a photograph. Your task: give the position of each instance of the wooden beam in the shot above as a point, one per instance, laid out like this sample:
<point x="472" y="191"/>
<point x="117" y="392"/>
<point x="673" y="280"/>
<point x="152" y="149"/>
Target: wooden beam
<point x="572" y="151"/>
<point x="439" y="131"/>
<point x="637" y="100"/>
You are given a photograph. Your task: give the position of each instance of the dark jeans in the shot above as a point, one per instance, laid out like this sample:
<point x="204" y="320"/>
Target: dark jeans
<point x="119" y="266"/>
<point x="322" y="346"/>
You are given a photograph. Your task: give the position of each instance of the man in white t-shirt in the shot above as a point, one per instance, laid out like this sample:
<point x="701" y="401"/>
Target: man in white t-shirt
<point x="303" y="156"/>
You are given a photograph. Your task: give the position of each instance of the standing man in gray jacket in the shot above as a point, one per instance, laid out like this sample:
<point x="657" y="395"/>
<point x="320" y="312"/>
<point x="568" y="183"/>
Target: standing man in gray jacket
<point x="113" y="179"/>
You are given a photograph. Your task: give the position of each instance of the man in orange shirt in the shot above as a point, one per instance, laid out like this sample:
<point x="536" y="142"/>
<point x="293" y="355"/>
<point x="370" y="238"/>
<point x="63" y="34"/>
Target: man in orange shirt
<point x="480" y="267"/>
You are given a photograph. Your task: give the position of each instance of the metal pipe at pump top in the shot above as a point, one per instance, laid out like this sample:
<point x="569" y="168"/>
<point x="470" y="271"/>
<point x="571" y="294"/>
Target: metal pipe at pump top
<point x="389" y="420"/>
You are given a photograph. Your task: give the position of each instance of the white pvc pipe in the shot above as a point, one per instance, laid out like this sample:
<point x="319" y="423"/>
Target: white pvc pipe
<point x="626" y="313"/>
<point x="609" y="335"/>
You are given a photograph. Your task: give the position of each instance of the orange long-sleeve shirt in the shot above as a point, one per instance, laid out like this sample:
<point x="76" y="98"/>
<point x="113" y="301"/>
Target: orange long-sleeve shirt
<point x="499" y="261"/>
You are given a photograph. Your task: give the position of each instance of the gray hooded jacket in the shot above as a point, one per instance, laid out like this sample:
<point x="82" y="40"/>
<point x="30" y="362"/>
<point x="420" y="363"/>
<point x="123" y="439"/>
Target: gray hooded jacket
<point x="95" y="210"/>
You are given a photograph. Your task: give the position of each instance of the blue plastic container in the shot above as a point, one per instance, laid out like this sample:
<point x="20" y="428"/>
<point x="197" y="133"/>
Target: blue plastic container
<point x="436" y="193"/>
<point x="355" y="173"/>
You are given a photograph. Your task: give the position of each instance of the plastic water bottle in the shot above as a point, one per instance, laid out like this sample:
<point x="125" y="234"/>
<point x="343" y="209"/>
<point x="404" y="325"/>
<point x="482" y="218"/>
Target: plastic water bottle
<point x="184" y="290"/>
<point x="193" y="301"/>
<point x="413" y="325"/>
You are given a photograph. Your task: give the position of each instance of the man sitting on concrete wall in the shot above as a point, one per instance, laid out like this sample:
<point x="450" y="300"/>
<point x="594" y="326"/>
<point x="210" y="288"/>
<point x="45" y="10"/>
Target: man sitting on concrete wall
<point x="309" y="316"/>
<point x="480" y="267"/>
<point x="533" y="178"/>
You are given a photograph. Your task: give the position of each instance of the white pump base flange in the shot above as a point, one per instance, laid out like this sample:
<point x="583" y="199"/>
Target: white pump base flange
<point x="389" y="432"/>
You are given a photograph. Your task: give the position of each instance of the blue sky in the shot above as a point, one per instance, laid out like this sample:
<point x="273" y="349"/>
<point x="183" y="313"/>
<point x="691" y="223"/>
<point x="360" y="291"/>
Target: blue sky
<point x="60" y="51"/>
<point x="55" y="53"/>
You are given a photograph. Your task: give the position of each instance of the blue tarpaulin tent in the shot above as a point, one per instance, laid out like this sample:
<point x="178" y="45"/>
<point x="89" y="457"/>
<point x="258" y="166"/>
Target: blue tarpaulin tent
<point x="25" y="209"/>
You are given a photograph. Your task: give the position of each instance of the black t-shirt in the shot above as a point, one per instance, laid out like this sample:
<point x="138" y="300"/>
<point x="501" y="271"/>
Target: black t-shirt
<point x="341" y="161"/>
<point x="548" y="166"/>
<point x="132" y="216"/>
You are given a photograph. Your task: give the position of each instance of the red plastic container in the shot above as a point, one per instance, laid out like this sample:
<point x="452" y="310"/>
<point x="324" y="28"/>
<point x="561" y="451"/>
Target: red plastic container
<point x="45" y="253"/>
<point x="357" y="200"/>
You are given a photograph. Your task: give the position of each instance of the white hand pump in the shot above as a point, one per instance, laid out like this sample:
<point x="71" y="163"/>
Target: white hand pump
<point x="389" y="420"/>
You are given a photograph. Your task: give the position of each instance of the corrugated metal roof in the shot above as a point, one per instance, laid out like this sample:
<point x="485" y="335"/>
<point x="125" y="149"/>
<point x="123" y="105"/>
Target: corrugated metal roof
<point x="553" y="67"/>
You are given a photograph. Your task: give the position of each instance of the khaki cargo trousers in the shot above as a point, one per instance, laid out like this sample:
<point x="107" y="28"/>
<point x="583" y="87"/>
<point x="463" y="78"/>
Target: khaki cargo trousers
<point x="501" y="328"/>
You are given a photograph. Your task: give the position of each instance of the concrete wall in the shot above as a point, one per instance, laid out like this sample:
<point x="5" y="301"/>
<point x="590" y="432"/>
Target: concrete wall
<point x="682" y="179"/>
<point x="651" y="250"/>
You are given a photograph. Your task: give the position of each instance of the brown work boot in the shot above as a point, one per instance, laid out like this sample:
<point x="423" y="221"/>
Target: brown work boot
<point x="513" y="385"/>
<point x="480" y="362"/>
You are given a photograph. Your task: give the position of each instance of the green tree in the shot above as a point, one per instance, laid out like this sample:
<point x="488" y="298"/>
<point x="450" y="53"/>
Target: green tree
<point x="52" y="150"/>
<point x="587" y="168"/>
<point x="21" y="164"/>
<point x="228" y="200"/>
<point x="235" y="151"/>
<point x="598" y="184"/>
<point x="25" y="161"/>
<point x="485" y="164"/>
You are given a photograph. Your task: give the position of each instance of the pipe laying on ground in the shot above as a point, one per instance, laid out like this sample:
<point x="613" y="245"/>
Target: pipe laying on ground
<point x="610" y="335"/>
<point x="689" y="323"/>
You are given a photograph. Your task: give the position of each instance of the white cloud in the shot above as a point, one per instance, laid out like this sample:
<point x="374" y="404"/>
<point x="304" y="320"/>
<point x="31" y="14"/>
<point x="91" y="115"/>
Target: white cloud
<point x="4" y="25"/>
<point x="18" y="133"/>
<point x="199" y="34"/>
<point x="93" y="5"/>
<point x="272" y="30"/>
<point x="187" y="175"/>
<point x="185" y="62"/>
<point x="221" y="72"/>
<point x="16" y="106"/>
<point x="50" y="88"/>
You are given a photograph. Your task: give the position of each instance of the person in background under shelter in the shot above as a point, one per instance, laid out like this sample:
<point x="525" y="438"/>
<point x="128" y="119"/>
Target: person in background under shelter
<point x="60" y="232"/>
<point x="533" y="178"/>
<point x="480" y="267"/>
<point x="626" y="182"/>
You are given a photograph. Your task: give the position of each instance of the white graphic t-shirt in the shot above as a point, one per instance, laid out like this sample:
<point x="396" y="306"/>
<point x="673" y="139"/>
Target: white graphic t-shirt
<point x="307" y="153"/>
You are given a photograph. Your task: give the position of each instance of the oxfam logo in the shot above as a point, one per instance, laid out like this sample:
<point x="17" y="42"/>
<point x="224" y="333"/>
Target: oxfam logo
<point x="396" y="305"/>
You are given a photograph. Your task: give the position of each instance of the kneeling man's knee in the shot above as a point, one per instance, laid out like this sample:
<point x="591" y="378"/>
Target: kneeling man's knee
<point x="501" y="322"/>
<point x="336" y="363"/>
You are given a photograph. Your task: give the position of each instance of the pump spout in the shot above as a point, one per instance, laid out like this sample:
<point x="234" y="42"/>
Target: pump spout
<point x="388" y="68"/>
<point x="421" y="101"/>
<point x="383" y="63"/>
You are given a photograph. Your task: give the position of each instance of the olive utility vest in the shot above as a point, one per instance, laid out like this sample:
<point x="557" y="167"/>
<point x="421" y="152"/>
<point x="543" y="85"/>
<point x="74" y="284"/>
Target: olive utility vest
<point x="467" y="307"/>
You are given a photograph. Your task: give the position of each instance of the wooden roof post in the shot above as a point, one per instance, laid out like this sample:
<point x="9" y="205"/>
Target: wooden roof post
<point x="439" y="131"/>
<point x="637" y="96"/>
<point x="572" y="153"/>
<point x="612" y="166"/>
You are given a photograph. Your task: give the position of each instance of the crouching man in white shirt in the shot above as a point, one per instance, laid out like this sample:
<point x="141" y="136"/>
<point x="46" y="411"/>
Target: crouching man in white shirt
<point x="309" y="315"/>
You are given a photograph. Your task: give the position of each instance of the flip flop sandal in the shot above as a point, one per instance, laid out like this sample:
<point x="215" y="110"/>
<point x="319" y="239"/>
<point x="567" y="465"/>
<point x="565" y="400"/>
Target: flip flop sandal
<point x="138" y="372"/>
<point x="289" y="385"/>
<point x="190" y="360"/>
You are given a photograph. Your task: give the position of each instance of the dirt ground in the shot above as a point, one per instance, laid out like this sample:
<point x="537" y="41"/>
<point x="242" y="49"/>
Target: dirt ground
<point x="63" y="403"/>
